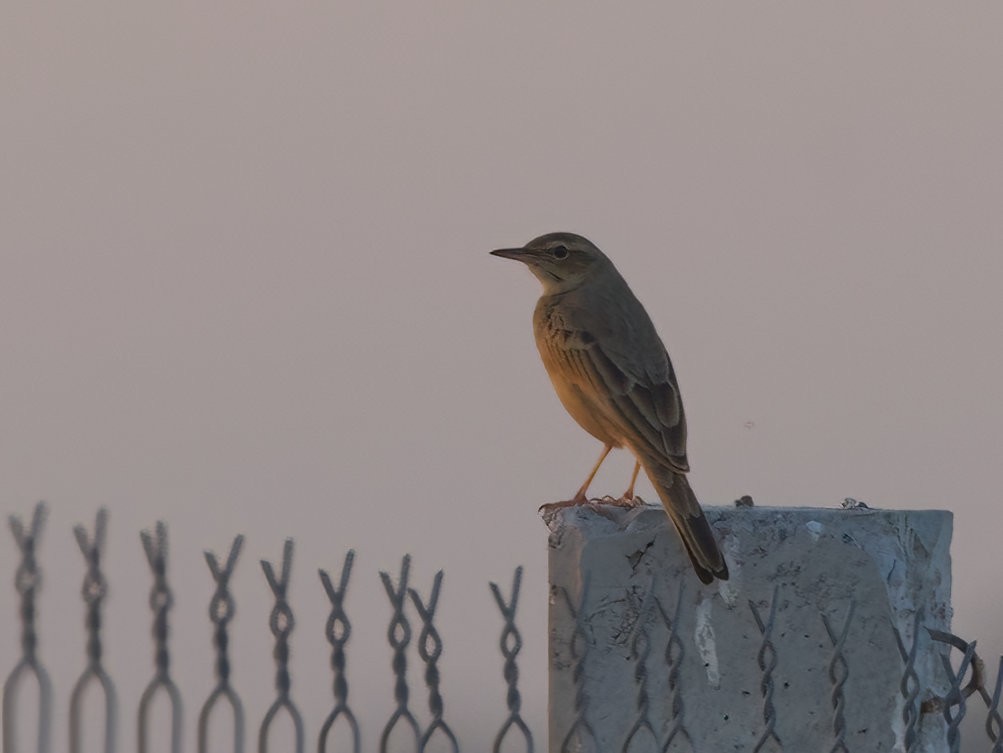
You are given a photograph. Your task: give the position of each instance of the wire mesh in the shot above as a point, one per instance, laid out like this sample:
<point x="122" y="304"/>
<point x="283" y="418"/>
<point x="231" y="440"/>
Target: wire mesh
<point x="667" y="729"/>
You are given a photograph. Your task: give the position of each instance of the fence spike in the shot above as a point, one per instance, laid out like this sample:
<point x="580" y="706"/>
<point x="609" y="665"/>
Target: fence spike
<point x="954" y="707"/>
<point x="640" y="648"/>
<point x="222" y="609"/>
<point x="510" y="645"/>
<point x="909" y="684"/>
<point x="767" y="659"/>
<point x="27" y="581"/>
<point x="338" y="631"/>
<point x="674" y="652"/>
<point x="839" y="670"/>
<point x="161" y="601"/>
<point x="94" y="590"/>
<point x="994" y="722"/>
<point x="281" y="622"/>
<point x="430" y="649"/>
<point x="399" y="644"/>
<point x="579" y="647"/>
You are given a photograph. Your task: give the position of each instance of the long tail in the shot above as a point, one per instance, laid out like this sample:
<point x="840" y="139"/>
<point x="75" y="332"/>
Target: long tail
<point x="684" y="511"/>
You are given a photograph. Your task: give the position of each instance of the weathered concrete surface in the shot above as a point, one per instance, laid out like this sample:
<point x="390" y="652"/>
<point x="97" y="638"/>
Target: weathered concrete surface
<point x="890" y="562"/>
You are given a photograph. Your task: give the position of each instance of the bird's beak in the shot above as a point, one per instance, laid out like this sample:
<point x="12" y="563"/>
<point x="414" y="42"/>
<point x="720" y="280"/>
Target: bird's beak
<point x="519" y="254"/>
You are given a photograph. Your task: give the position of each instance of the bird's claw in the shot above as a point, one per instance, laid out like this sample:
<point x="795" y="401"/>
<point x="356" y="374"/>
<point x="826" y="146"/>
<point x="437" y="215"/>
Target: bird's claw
<point x="626" y="502"/>
<point x="550" y="510"/>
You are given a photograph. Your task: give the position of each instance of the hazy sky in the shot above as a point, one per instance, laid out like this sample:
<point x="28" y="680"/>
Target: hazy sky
<point x="245" y="288"/>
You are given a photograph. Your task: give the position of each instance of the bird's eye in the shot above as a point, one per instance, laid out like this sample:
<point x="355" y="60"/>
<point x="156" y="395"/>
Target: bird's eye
<point x="559" y="252"/>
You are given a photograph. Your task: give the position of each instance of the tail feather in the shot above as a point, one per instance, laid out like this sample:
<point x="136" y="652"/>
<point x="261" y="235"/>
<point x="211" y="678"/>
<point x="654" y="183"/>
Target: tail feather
<point x="684" y="511"/>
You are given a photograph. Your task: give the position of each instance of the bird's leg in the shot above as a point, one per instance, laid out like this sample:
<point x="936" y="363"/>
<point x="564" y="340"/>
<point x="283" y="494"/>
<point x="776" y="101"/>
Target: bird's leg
<point x="628" y="499"/>
<point x="580" y="497"/>
<point x="628" y="496"/>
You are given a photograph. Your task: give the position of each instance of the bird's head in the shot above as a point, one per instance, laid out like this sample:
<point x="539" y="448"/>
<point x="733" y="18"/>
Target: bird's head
<point x="561" y="261"/>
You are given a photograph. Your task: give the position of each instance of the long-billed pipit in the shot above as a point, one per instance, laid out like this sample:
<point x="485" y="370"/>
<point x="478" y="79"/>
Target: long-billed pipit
<point x="614" y="377"/>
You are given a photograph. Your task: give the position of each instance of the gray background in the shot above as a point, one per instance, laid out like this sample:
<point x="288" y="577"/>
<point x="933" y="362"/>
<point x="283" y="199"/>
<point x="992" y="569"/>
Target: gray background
<point x="245" y="287"/>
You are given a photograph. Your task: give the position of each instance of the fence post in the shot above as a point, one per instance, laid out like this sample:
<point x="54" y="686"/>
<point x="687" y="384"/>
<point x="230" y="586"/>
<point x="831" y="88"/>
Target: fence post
<point x="828" y="690"/>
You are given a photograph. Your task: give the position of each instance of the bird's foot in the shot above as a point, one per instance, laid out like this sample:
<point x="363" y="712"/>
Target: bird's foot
<point x="550" y="510"/>
<point x="627" y="501"/>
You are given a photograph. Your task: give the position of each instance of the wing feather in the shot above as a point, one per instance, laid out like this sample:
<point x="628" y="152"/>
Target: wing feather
<point x="644" y="409"/>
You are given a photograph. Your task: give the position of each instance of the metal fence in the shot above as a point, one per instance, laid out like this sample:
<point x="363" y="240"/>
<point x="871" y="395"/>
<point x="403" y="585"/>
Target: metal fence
<point x="400" y="633"/>
<point x="641" y="731"/>
<point x="664" y="728"/>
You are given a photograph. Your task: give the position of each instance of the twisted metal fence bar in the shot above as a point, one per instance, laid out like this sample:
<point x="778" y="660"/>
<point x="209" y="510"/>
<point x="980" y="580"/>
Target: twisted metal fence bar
<point x="510" y="645"/>
<point x="94" y="590"/>
<point x="909" y="684"/>
<point x="976" y="682"/>
<point x="161" y="601"/>
<point x="994" y="722"/>
<point x="27" y="581"/>
<point x="338" y="630"/>
<point x="955" y="698"/>
<point x="674" y="653"/>
<point x="222" y="609"/>
<point x="580" y="728"/>
<point x="430" y="649"/>
<point x="281" y="623"/>
<point x="839" y="671"/>
<point x="399" y="636"/>
<point x="952" y="706"/>
<point x="640" y="648"/>
<point x="221" y="613"/>
<point x="767" y="659"/>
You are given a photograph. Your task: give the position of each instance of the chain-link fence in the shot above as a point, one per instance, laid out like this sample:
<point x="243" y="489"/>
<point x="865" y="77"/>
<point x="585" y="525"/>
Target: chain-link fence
<point x="655" y="647"/>
<point x="28" y="686"/>
<point x="656" y="650"/>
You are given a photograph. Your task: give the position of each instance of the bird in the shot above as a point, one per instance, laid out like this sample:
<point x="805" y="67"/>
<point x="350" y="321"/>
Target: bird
<point x="613" y="375"/>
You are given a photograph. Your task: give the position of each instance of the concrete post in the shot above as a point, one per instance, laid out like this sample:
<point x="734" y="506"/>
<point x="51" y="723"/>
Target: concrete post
<point x="628" y="672"/>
